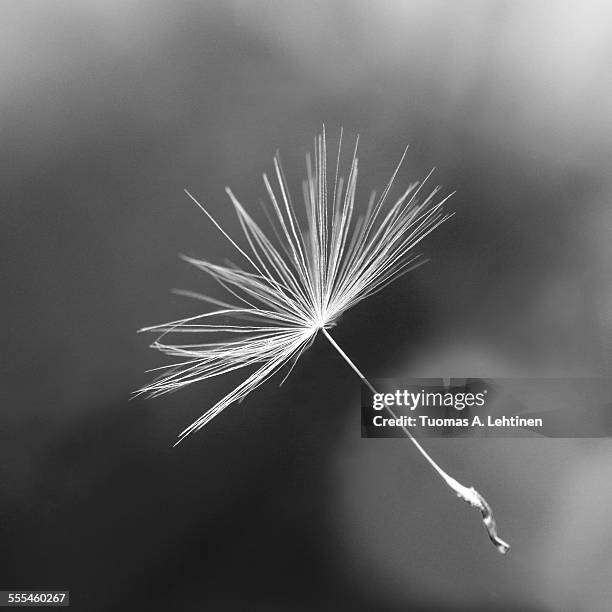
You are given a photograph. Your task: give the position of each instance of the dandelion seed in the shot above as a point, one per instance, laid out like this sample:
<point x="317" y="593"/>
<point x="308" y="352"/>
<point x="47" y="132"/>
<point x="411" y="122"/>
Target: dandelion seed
<point x="299" y="285"/>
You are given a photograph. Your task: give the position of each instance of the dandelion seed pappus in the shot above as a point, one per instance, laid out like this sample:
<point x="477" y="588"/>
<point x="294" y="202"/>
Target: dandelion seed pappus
<point x="298" y="280"/>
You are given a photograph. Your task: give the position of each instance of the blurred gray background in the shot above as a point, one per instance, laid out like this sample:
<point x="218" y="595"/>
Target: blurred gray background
<point x="108" y="110"/>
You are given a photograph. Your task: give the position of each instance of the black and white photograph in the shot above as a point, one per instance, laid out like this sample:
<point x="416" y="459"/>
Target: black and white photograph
<point x="308" y="305"/>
